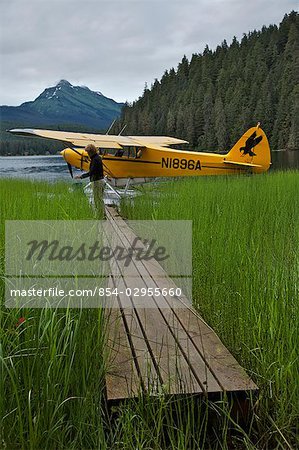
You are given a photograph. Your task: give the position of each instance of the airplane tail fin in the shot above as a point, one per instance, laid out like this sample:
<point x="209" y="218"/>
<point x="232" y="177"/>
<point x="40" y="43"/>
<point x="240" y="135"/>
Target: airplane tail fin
<point x="251" y="150"/>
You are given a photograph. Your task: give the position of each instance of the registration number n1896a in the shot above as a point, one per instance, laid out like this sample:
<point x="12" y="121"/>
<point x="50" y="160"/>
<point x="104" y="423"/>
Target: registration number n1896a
<point x="176" y="163"/>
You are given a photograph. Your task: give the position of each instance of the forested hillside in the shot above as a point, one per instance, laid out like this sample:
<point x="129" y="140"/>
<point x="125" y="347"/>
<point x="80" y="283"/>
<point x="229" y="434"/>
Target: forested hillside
<point x="213" y="98"/>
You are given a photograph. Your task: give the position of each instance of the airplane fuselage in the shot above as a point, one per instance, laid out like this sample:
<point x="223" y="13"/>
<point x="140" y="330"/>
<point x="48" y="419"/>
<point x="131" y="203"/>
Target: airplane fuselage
<point x="165" y="162"/>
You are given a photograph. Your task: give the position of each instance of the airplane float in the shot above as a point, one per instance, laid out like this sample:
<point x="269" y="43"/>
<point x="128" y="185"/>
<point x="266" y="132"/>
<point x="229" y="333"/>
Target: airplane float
<point x="143" y="157"/>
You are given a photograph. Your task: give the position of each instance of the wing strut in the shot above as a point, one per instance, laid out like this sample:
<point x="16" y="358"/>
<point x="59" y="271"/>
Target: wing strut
<point x="122" y="130"/>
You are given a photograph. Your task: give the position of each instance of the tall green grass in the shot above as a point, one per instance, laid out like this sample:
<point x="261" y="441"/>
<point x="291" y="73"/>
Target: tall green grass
<point x="51" y="360"/>
<point x="245" y="252"/>
<point x="245" y="280"/>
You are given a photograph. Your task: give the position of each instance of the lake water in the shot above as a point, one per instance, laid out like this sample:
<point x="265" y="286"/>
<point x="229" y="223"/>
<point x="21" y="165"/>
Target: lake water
<point x="285" y="160"/>
<point x="50" y="168"/>
<point x="53" y="168"/>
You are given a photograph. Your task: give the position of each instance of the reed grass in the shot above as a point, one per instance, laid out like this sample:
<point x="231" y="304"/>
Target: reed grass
<point x="245" y="280"/>
<point x="51" y="361"/>
<point x="245" y="284"/>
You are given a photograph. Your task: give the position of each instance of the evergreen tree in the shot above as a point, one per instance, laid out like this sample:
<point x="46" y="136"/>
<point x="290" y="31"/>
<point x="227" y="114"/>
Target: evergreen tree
<point x="221" y="129"/>
<point x="215" y="97"/>
<point x="294" y="130"/>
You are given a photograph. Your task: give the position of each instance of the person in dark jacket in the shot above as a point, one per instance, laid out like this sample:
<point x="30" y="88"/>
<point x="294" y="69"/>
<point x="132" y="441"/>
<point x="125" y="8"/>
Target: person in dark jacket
<point x="95" y="174"/>
<point x="96" y="171"/>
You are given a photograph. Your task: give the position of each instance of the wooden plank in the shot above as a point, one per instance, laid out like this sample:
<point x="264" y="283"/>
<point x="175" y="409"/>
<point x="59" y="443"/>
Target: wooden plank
<point x="230" y="375"/>
<point x="122" y="378"/>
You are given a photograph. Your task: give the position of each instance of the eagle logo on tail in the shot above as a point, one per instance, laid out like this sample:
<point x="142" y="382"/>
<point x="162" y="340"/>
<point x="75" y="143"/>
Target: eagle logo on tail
<point x="251" y="142"/>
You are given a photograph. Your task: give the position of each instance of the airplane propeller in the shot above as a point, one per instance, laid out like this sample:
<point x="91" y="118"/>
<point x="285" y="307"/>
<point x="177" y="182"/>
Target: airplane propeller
<point x="70" y="169"/>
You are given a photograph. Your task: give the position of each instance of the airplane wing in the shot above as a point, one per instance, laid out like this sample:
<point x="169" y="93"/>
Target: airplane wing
<point x="162" y="141"/>
<point x="71" y="138"/>
<point x="99" y="140"/>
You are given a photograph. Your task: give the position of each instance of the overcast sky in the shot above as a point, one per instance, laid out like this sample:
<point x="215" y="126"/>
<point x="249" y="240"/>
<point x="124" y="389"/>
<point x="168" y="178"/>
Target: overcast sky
<point x="114" y="46"/>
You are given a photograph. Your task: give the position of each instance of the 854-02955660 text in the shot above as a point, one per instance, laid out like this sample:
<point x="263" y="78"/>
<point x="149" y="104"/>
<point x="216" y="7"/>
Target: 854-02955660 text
<point x="97" y="291"/>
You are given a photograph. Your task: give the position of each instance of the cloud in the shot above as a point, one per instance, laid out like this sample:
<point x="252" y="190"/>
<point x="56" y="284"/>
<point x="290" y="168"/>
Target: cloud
<point x="114" y="46"/>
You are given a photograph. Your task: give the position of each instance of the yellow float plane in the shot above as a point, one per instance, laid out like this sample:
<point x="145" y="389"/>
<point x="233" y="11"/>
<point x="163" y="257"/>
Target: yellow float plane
<point x="131" y="157"/>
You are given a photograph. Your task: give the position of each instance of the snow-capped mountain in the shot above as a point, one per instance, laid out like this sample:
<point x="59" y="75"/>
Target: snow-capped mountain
<point x="64" y="104"/>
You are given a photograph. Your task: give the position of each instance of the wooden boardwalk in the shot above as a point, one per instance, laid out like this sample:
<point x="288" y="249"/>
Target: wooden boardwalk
<point x="165" y="347"/>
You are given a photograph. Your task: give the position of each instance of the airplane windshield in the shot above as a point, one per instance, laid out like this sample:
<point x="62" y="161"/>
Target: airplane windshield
<point x="124" y="152"/>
